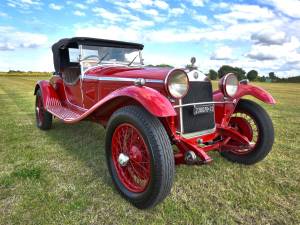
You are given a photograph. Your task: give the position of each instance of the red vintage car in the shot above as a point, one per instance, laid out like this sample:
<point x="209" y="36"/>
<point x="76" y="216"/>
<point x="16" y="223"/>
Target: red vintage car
<point x="154" y="117"/>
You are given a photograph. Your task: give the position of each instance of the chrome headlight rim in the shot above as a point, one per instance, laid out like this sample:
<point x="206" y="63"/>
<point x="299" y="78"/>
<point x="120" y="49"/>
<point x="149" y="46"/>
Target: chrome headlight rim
<point x="167" y="82"/>
<point x="224" y="83"/>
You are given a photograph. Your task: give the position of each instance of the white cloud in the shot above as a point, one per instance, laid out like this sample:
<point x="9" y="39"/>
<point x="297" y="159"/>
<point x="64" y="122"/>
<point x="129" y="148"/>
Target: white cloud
<point x="287" y="52"/>
<point x="107" y="14"/>
<point x="12" y="39"/>
<point x="197" y="3"/>
<point x="80" y="6"/>
<point x="151" y="12"/>
<point x="109" y="32"/>
<point x="176" y="11"/>
<point x="161" y="4"/>
<point x="24" y="4"/>
<point x="222" y="53"/>
<point x="91" y="1"/>
<point x="246" y="13"/>
<point x="138" y="4"/>
<point x="269" y="37"/>
<point x="55" y="6"/>
<point x="2" y="14"/>
<point x="288" y="7"/>
<point x="78" y="13"/>
<point x="139" y="24"/>
<point x="200" y="18"/>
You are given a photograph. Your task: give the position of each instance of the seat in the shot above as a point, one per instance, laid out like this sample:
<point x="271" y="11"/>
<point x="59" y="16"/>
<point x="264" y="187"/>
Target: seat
<point x="71" y="75"/>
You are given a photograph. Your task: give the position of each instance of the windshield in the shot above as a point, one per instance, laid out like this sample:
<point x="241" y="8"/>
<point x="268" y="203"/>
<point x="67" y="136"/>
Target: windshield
<point x="95" y="55"/>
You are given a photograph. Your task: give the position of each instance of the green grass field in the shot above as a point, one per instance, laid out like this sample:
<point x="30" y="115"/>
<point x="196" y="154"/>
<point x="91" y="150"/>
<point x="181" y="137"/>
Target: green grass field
<point x="60" y="176"/>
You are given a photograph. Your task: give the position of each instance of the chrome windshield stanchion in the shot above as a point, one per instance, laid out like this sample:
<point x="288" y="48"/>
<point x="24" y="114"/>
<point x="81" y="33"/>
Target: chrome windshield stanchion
<point x="81" y="72"/>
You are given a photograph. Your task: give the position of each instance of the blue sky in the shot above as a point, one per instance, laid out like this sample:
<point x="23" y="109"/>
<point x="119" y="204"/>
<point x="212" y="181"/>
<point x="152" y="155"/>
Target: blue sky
<point x="260" y="34"/>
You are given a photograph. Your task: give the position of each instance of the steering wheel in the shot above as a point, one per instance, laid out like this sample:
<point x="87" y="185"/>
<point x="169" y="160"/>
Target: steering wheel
<point x="89" y="57"/>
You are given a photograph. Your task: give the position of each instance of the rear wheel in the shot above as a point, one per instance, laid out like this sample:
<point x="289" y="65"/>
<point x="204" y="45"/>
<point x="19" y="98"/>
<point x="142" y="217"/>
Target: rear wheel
<point x="252" y="121"/>
<point x="43" y="117"/>
<point x="139" y="156"/>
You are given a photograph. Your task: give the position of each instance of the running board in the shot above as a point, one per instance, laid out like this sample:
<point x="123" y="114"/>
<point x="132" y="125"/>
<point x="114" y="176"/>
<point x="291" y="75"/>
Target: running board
<point x="63" y="112"/>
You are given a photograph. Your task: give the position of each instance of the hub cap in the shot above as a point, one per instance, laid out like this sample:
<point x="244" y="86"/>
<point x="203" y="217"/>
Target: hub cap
<point x="131" y="158"/>
<point x="123" y="159"/>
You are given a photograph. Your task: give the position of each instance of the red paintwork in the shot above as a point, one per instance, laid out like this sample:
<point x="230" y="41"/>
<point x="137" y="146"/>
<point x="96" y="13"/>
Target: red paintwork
<point x="150" y="99"/>
<point x="136" y="174"/>
<point x="102" y="98"/>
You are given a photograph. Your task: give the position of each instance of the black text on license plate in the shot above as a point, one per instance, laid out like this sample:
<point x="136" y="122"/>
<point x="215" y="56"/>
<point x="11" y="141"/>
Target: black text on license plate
<point x="202" y="109"/>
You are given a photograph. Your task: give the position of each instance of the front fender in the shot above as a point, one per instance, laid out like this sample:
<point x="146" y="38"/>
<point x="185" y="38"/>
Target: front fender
<point x="257" y="92"/>
<point x="223" y="112"/>
<point x="248" y="89"/>
<point x="152" y="100"/>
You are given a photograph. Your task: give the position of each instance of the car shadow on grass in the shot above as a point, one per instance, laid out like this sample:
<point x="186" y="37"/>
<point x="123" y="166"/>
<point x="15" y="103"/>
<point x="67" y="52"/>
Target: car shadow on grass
<point x="85" y="142"/>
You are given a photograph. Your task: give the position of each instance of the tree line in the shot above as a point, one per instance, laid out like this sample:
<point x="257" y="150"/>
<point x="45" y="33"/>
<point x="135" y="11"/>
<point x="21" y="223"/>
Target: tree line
<point x="251" y="75"/>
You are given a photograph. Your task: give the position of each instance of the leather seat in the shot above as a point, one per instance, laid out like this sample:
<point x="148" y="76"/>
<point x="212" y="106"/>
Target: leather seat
<point x="71" y="75"/>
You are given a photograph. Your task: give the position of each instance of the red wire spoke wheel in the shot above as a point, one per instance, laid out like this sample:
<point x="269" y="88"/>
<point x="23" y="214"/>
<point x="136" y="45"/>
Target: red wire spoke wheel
<point x="139" y="156"/>
<point x="43" y="117"/>
<point x="245" y="125"/>
<point x="40" y="110"/>
<point x="253" y="122"/>
<point x="131" y="158"/>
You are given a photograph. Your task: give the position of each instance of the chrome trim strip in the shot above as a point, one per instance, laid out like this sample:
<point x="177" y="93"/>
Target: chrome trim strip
<point x="200" y="103"/>
<point x="122" y="79"/>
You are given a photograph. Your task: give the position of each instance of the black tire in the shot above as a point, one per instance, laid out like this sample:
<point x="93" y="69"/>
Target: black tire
<point x="46" y="122"/>
<point x="266" y="134"/>
<point x="161" y="154"/>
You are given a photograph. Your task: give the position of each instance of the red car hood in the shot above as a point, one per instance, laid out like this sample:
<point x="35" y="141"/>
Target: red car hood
<point x="130" y="72"/>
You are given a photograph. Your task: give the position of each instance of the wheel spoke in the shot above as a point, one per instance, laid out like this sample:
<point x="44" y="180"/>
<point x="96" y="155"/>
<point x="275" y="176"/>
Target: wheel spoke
<point x="135" y="175"/>
<point x="246" y="125"/>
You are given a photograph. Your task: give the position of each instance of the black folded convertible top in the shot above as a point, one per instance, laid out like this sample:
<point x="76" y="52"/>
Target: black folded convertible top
<point x="60" y="52"/>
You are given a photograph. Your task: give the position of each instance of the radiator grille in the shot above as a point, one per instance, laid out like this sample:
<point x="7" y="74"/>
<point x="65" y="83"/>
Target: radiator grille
<point x="198" y="92"/>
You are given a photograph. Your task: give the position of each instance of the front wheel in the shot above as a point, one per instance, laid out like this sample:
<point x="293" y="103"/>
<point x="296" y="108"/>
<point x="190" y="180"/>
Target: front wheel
<point x="139" y="156"/>
<point x="252" y="121"/>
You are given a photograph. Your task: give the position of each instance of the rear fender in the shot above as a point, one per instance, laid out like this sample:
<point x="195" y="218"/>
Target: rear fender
<point x="47" y="90"/>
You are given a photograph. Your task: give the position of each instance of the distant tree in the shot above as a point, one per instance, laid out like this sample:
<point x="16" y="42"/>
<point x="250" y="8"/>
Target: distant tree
<point x="224" y="70"/>
<point x="164" y="65"/>
<point x="262" y="79"/>
<point x="212" y="74"/>
<point x="239" y="72"/>
<point x="190" y="67"/>
<point x="272" y="75"/>
<point x="252" y="75"/>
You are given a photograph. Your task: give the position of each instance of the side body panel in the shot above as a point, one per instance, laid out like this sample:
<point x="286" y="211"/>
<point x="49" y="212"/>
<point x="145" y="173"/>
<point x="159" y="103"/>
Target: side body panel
<point x="150" y="99"/>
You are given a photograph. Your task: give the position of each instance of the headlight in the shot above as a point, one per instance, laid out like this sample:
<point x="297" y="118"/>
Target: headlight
<point x="177" y="83"/>
<point x="229" y="85"/>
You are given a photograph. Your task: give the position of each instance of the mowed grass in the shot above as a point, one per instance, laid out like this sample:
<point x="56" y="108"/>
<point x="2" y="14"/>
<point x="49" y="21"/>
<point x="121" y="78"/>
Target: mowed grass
<point x="60" y="176"/>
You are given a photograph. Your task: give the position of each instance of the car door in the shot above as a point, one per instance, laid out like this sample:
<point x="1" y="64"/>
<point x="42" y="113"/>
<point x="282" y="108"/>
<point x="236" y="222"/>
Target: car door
<point x="90" y="92"/>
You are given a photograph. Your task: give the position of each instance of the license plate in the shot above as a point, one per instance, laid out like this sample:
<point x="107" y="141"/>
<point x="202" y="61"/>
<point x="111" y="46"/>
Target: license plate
<point x="202" y="109"/>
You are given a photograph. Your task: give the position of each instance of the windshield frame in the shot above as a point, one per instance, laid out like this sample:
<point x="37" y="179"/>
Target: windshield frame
<point x="138" y="62"/>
